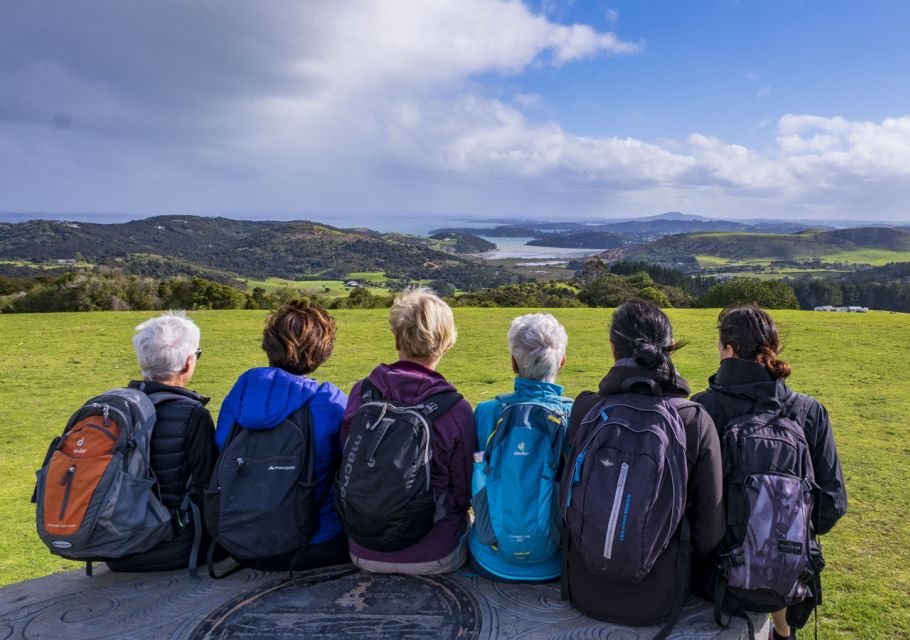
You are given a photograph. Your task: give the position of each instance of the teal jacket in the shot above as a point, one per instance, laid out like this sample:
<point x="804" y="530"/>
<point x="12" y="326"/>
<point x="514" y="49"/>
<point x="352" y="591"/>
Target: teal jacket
<point x="486" y="416"/>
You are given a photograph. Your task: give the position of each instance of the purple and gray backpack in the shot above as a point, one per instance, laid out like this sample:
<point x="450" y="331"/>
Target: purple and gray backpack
<point x="769" y="558"/>
<point x="626" y="492"/>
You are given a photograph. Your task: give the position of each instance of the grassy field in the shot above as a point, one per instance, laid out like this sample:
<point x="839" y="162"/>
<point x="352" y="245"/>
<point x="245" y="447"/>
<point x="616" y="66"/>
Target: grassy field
<point x="336" y="288"/>
<point x="855" y="364"/>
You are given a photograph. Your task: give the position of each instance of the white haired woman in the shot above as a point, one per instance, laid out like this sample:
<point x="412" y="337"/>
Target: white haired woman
<point x="522" y="436"/>
<point x="183" y="451"/>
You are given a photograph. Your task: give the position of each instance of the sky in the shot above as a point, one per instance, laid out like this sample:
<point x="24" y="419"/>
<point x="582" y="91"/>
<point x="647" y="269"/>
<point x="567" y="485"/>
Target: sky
<point x="369" y="110"/>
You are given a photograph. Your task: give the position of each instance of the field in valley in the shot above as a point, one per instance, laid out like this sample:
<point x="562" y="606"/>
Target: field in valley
<point x="856" y="364"/>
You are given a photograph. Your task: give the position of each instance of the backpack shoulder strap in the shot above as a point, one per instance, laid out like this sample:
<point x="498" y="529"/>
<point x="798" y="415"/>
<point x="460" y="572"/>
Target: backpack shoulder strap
<point x="369" y="392"/>
<point x="439" y="403"/>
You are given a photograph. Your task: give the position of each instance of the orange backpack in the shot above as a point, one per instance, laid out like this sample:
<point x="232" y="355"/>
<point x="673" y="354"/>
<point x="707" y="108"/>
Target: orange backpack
<point x="97" y="497"/>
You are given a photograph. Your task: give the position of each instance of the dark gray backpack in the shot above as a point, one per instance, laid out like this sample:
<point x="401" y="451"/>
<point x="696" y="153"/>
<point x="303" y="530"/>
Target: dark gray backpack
<point x="261" y="500"/>
<point x="769" y="558"/>
<point x="626" y="494"/>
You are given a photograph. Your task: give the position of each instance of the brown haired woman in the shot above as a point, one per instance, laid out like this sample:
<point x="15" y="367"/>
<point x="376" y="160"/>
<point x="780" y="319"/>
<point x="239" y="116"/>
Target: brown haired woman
<point x="752" y="375"/>
<point x="297" y="339"/>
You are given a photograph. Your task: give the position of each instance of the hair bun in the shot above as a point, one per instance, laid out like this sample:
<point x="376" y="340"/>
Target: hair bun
<point x="648" y="355"/>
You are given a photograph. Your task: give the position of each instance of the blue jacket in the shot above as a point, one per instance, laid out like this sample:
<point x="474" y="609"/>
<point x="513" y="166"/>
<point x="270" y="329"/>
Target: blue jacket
<point x="485" y="417"/>
<point x="263" y="397"/>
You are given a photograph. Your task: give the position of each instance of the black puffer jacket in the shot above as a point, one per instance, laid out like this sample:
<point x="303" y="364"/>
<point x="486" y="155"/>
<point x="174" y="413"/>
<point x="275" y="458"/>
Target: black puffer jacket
<point x="741" y="384"/>
<point x="182" y="447"/>
<point x="651" y="600"/>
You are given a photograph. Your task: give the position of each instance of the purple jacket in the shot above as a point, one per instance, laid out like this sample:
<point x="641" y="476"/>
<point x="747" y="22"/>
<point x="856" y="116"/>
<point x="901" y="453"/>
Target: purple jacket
<point x="454" y="442"/>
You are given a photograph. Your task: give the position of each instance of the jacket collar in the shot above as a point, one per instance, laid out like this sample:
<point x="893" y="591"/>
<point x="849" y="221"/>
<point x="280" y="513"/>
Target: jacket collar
<point x="627" y="375"/>
<point x="537" y="388"/>
<point x="150" y="386"/>
<point x="748" y="380"/>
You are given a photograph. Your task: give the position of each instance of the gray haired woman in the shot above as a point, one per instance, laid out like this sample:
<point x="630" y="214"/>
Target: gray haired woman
<point x="183" y="451"/>
<point x="522" y="437"/>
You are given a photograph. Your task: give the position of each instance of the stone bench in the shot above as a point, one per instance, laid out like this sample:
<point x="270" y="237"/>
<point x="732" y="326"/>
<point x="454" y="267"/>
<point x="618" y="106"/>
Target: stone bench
<point x="337" y="602"/>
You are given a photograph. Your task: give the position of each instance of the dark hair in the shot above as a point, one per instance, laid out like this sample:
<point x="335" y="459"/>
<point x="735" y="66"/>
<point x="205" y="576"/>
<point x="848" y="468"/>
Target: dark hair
<point x="752" y="335"/>
<point x="298" y="337"/>
<point x="640" y="330"/>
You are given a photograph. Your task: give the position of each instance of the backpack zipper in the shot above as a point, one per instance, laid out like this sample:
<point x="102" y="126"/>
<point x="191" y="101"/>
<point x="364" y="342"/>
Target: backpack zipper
<point x="67" y="480"/>
<point x="614" y="513"/>
<point x="102" y="430"/>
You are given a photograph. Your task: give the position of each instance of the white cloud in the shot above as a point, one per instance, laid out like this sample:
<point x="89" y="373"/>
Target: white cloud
<point x="763" y="92"/>
<point x="752" y="76"/>
<point x="611" y="16"/>
<point x="373" y="106"/>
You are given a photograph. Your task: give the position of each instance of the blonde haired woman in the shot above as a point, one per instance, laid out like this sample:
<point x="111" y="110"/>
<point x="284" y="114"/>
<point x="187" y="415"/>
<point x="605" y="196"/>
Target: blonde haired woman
<point x="424" y="330"/>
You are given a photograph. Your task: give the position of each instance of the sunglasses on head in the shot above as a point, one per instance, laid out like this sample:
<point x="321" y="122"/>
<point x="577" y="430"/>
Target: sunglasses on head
<point x="198" y="353"/>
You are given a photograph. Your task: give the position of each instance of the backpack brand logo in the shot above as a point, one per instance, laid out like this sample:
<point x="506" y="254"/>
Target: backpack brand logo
<point x="520" y="450"/>
<point x="62" y="544"/>
<point x="80" y="449"/>
<point x="789" y="546"/>
<point x="274" y="467"/>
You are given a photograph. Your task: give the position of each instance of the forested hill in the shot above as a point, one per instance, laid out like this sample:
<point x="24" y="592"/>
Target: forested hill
<point x="849" y="245"/>
<point x="166" y="245"/>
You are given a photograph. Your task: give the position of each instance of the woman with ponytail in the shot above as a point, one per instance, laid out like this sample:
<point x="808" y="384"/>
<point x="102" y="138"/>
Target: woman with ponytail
<point x="641" y="341"/>
<point x="751" y="374"/>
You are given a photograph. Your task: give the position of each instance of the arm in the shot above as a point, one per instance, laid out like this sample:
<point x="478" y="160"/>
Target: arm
<point x="832" y="503"/>
<point x="461" y="459"/>
<point x="351" y="407"/>
<point x="706" y="488"/>
<point x="201" y="452"/>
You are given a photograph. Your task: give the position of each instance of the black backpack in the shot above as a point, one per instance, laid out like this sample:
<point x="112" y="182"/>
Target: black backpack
<point x="261" y="500"/>
<point x="769" y="558"/>
<point x="384" y="497"/>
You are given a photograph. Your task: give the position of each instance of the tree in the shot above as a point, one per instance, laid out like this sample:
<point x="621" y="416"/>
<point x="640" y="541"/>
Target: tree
<point x="770" y="294"/>
<point x="656" y="296"/>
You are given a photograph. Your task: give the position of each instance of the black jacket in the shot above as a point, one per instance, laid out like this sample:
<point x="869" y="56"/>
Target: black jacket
<point x="182" y="450"/>
<point x="741" y="384"/>
<point x="651" y="601"/>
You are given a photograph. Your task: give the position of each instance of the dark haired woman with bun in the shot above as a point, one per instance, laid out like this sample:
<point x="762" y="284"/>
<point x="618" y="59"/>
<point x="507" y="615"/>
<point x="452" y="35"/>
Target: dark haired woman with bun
<point x="641" y="340"/>
<point x="750" y="375"/>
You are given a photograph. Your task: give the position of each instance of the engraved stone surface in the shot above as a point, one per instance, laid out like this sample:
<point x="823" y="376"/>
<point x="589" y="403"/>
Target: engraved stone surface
<point x="337" y="602"/>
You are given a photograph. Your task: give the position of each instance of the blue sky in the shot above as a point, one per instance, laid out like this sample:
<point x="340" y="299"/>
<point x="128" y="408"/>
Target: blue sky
<point x="370" y="110"/>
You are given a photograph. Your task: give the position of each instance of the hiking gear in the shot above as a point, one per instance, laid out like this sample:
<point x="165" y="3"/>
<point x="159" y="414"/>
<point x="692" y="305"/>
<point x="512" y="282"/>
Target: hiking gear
<point x="96" y="494"/>
<point x="626" y="491"/>
<point x="262" y="398"/>
<point x="769" y="558"/>
<point x="745" y="384"/>
<point x="385" y="499"/>
<point x="261" y="500"/>
<point x="516" y="490"/>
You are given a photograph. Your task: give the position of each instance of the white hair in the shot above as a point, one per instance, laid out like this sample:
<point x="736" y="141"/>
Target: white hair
<point x="538" y="343"/>
<point x="163" y="344"/>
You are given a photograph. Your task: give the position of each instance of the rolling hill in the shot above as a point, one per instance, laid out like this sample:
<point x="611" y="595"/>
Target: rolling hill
<point x="860" y="245"/>
<point x="169" y="245"/>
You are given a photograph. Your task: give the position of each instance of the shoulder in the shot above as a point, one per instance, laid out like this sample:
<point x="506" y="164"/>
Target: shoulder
<point x="700" y="430"/>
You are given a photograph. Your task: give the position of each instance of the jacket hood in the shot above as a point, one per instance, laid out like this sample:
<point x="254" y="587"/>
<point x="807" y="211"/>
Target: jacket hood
<point x="263" y="397"/>
<point x="408" y="381"/>
<point x="628" y="375"/>
<point x="749" y="381"/>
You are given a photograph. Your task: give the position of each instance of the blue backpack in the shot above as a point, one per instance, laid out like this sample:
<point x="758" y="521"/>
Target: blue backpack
<point x="516" y="511"/>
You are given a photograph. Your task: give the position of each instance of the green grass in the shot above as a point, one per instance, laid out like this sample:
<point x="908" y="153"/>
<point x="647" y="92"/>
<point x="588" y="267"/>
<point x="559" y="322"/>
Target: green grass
<point x="336" y="288"/>
<point x="875" y="257"/>
<point x="855" y="364"/>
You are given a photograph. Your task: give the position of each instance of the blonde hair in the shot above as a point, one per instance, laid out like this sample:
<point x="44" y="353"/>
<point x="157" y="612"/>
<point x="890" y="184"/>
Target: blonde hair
<point x="423" y="324"/>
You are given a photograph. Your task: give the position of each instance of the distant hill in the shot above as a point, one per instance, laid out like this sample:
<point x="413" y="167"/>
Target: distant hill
<point x="463" y="242"/>
<point x="861" y="245"/>
<point x="579" y="240"/>
<point x="254" y="249"/>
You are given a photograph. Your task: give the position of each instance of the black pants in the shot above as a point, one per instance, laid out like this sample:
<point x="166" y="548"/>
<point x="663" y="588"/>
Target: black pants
<point x="322" y="554"/>
<point x="169" y="555"/>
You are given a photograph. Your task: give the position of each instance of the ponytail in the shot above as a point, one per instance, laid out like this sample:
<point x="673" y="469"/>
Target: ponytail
<point x="640" y="330"/>
<point x="752" y="335"/>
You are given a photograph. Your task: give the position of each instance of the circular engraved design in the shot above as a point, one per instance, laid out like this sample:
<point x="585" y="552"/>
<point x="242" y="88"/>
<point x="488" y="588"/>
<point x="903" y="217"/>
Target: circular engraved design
<point x="343" y="602"/>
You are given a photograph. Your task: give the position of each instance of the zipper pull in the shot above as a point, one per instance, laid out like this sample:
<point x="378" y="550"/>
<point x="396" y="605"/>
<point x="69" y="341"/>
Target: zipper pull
<point x="106" y="410"/>
<point x="68" y="475"/>
<point x="240" y="465"/>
